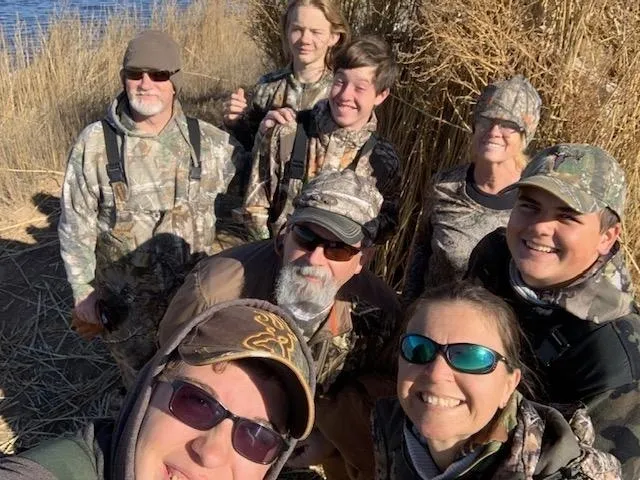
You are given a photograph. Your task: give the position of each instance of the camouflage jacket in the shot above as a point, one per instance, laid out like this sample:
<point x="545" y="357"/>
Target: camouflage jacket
<point x="455" y="217"/>
<point x="584" y="341"/>
<point x="105" y="233"/>
<point x="526" y="440"/>
<point x="357" y="337"/>
<point x="271" y="192"/>
<point x="276" y="90"/>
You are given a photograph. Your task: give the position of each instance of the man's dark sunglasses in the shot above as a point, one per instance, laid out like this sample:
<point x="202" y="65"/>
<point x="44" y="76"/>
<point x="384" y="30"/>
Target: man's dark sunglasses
<point x="333" y="250"/>
<point x="463" y="357"/>
<point x="156" y="76"/>
<point x="198" y="409"/>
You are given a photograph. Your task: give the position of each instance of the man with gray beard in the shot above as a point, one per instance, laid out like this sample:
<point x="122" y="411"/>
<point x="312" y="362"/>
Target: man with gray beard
<point x="315" y="269"/>
<point x="138" y="203"/>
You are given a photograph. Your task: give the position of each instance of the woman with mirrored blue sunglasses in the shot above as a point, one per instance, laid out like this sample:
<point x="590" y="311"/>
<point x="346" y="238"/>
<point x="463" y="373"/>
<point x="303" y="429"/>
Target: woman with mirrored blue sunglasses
<point x="458" y="413"/>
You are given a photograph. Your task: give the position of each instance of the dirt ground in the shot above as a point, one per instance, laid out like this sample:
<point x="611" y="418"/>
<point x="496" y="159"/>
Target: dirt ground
<point x="51" y="381"/>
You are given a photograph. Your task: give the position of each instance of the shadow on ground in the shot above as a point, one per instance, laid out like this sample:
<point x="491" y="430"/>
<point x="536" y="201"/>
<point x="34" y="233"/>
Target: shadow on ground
<point x="51" y="380"/>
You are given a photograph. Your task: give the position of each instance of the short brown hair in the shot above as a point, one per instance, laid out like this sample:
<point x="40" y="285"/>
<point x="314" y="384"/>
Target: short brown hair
<point x="370" y="51"/>
<point x="333" y="15"/>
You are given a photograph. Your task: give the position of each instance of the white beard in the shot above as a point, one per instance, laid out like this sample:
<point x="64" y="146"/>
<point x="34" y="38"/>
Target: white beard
<point x="308" y="302"/>
<point x="144" y="108"/>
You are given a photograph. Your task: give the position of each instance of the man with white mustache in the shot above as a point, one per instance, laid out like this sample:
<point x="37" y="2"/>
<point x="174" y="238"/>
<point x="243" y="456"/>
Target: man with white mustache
<point x="560" y="265"/>
<point x="138" y="203"/>
<point x="315" y="270"/>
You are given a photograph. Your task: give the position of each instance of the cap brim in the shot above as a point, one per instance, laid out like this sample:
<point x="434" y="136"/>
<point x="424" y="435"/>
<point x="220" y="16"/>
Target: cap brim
<point x="301" y="405"/>
<point x="342" y="227"/>
<point x="568" y="193"/>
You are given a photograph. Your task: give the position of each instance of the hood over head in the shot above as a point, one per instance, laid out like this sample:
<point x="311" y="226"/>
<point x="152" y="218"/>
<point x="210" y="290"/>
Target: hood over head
<point x="225" y="332"/>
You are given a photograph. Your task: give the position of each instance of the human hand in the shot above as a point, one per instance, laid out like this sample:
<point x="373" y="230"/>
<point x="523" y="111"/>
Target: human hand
<point x="84" y="317"/>
<point x="234" y="107"/>
<point x="311" y="451"/>
<point x="279" y="116"/>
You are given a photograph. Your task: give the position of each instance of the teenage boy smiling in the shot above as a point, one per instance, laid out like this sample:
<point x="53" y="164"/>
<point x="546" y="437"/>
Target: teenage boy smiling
<point x="559" y="264"/>
<point x="339" y="133"/>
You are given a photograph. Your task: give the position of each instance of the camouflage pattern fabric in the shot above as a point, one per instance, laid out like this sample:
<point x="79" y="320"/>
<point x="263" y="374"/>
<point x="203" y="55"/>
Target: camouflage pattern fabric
<point x="451" y="225"/>
<point x="276" y="90"/>
<point x="135" y="242"/>
<point x="333" y="148"/>
<point x="515" y="446"/>
<point x="584" y="177"/>
<point x="514" y="100"/>
<point x="598" y="367"/>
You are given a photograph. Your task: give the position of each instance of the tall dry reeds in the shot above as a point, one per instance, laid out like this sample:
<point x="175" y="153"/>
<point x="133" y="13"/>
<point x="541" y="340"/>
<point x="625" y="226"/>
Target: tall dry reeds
<point x="583" y="56"/>
<point x="66" y="79"/>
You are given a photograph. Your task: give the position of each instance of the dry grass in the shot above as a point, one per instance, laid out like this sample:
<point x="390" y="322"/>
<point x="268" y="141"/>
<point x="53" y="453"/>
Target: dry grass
<point x="50" y="95"/>
<point x="51" y="380"/>
<point x="582" y="56"/>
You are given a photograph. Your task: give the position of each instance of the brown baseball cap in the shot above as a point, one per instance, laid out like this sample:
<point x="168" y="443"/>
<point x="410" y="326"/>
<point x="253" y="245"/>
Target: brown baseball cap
<point x="254" y="329"/>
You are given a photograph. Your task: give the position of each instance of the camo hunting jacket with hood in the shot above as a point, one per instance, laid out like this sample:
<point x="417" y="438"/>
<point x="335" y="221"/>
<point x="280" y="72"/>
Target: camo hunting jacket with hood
<point x="104" y="449"/>
<point x="271" y="190"/>
<point x="276" y="90"/>
<point x="525" y="441"/>
<point x="584" y="341"/>
<point x="456" y="215"/>
<point x="106" y="233"/>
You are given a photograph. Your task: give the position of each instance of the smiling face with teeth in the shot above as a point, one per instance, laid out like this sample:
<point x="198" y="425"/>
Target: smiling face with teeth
<point x="445" y="405"/>
<point x="551" y="243"/>
<point x="491" y="144"/>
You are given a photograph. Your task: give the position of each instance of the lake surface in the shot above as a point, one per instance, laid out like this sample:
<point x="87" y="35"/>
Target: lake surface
<point x="39" y="12"/>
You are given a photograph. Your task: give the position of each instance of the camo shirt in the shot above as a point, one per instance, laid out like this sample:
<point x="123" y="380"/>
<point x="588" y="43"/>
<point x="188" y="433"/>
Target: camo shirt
<point x="271" y="192"/>
<point x="455" y="217"/>
<point x="159" y="191"/>
<point x="276" y="90"/>
<point x="515" y="446"/>
<point x="583" y="341"/>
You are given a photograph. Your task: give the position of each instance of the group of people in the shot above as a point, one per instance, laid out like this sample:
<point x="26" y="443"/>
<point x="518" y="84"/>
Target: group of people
<point x="513" y="351"/>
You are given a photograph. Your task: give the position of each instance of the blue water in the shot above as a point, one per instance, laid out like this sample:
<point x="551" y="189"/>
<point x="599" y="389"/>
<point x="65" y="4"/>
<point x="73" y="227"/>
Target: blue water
<point x="32" y="13"/>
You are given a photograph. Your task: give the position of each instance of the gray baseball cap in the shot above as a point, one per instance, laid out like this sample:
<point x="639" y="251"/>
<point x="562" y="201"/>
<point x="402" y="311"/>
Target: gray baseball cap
<point x="514" y="100"/>
<point x="585" y="177"/>
<point x="342" y="202"/>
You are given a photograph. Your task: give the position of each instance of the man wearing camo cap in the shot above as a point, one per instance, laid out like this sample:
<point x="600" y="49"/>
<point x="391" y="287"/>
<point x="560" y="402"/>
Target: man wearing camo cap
<point x="137" y="203"/>
<point x="463" y="205"/>
<point x="560" y="266"/>
<point x="314" y="269"/>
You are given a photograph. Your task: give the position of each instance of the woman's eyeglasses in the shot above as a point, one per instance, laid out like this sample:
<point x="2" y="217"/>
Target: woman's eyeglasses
<point x="198" y="409"/>
<point x="156" y="76"/>
<point x="462" y="357"/>
<point x="506" y="127"/>
<point x="333" y="250"/>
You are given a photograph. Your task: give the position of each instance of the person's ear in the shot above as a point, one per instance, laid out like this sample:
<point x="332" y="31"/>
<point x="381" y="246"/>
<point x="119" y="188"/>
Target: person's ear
<point x="381" y="97"/>
<point x="366" y="255"/>
<point x="512" y="382"/>
<point x="333" y="39"/>
<point x="608" y="238"/>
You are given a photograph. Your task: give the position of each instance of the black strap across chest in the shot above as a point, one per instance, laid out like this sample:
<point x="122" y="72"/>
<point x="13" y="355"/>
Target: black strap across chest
<point x="115" y="159"/>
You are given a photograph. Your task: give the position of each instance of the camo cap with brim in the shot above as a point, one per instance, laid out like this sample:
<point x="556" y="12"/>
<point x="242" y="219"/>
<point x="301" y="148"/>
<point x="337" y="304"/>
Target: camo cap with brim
<point x="514" y="100"/>
<point x="256" y="329"/>
<point x="584" y="177"/>
<point x="343" y="202"/>
<point x="154" y="50"/>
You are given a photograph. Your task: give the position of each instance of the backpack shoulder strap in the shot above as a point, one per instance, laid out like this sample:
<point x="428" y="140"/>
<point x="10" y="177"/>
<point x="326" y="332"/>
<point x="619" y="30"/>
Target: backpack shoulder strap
<point x="367" y="148"/>
<point x="298" y="163"/>
<point x="115" y="168"/>
<point x="193" y="127"/>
